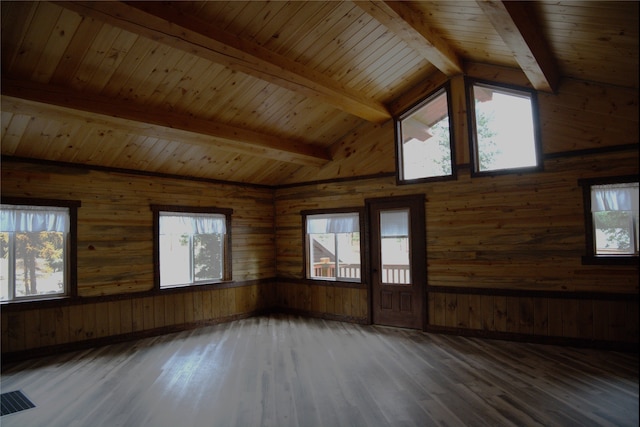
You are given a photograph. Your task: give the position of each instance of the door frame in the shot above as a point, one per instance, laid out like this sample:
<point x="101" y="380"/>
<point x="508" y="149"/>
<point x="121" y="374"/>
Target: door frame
<point x="416" y="204"/>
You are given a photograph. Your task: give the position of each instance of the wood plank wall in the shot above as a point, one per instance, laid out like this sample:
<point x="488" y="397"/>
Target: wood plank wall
<point x="488" y="239"/>
<point x="115" y="257"/>
<point x="503" y="253"/>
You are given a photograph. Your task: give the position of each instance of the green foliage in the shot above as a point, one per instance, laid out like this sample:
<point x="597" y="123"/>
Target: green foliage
<point x="442" y="136"/>
<point x="4" y="245"/>
<point x="487" y="147"/>
<point x="207" y="256"/>
<point x="45" y="246"/>
<point x="615" y="227"/>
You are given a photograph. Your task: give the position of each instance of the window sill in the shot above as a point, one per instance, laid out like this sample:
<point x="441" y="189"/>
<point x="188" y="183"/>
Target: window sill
<point x="192" y="286"/>
<point x="333" y="283"/>
<point x="609" y="260"/>
<point x="36" y="302"/>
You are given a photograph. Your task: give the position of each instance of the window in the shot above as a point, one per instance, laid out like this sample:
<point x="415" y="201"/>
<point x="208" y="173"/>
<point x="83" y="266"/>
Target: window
<point x="394" y="246"/>
<point x="424" y="141"/>
<point x="611" y="217"/>
<point x="38" y="249"/>
<point x="503" y="128"/>
<point x="192" y="246"/>
<point x="333" y="246"/>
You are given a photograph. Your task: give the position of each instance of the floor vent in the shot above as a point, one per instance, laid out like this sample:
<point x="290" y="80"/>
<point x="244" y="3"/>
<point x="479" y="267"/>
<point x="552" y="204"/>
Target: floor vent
<point x="15" y="401"/>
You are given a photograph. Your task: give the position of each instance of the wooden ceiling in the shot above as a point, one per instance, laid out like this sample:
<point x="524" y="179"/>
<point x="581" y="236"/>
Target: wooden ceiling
<point x="251" y="91"/>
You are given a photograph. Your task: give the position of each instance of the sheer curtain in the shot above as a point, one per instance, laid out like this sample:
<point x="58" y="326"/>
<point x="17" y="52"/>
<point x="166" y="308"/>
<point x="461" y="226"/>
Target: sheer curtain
<point x="189" y="223"/>
<point x="28" y="219"/>
<point x="615" y="197"/>
<point x="394" y="223"/>
<point x="333" y="223"/>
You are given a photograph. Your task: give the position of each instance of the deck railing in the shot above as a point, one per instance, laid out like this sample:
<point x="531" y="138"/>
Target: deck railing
<point x="396" y="274"/>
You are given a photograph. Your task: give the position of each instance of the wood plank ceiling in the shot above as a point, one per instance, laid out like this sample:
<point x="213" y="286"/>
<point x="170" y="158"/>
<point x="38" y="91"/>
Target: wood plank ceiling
<point x="251" y="91"/>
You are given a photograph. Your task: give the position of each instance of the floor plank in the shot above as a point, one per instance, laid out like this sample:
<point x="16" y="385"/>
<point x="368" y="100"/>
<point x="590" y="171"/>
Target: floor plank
<point x="279" y="370"/>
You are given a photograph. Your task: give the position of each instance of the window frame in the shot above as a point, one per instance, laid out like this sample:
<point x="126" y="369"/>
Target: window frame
<point x="400" y="180"/>
<point x="590" y="257"/>
<point x="227" y="260"/>
<point x="363" y="247"/>
<point x="71" y="249"/>
<point x="473" y="135"/>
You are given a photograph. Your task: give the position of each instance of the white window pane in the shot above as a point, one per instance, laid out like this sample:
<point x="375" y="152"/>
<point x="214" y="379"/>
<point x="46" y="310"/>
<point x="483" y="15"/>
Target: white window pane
<point x="394" y="223"/>
<point x="615" y="219"/>
<point x="395" y="260"/>
<point x="425" y="141"/>
<point x="394" y="246"/>
<point x="208" y="256"/>
<point x="175" y="260"/>
<point x="333" y="251"/>
<point x="33" y="246"/>
<point x="192" y="248"/>
<point x="322" y="250"/>
<point x="614" y="233"/>
<point x="4" y="267"/>
<point x="505" y="136"/>
<point x="39" y="264"/>
<point x="348" y="255"/>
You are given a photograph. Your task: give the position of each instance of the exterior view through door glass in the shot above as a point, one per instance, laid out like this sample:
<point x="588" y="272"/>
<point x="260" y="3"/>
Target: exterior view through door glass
<point x="398" y="274"/>
<point x="394" y="247"/>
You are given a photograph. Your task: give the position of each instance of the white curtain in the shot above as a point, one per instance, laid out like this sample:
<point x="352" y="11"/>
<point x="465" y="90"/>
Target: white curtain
<point x="333" y="223"/>
<point x="34" y="219"/>
<point x="394" y="223"/>
<point x="614" y="197"/>
<point x="189" y="223"/>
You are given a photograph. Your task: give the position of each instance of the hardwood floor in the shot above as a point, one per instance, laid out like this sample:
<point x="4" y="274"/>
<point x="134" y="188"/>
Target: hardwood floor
<point x="290" y="371"/>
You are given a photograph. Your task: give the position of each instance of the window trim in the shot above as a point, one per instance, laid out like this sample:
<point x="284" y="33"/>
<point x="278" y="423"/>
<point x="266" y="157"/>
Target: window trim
<point x="471" y="125"/>
<point x="363" y="247"/>
<point x="72" y="246"/>
<point x="590" y="257"/>
<point x="400" y="180"/>
<point x="227" y="261"/>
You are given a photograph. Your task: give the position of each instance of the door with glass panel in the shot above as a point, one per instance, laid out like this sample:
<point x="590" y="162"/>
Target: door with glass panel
<point x="398" y="261"/>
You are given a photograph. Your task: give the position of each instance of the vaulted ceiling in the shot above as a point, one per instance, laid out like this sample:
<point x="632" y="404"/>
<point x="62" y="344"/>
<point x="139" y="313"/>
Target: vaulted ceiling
<point x="251" y="91"/>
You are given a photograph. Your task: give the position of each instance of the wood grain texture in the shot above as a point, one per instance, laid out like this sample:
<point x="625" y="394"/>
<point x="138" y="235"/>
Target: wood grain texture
<point x="579" y="116"/>
<point x="507" y="232"/>
<point x="291" y="371"/>
<point x="59" y="327"/>
<point x="535" y="316"/>
<point x="115" y="221"/>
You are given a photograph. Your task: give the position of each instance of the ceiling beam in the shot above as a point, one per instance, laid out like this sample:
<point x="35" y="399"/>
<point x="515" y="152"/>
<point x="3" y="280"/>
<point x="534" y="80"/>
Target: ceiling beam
<point x="166" y="24"/>
<point x="515" y="22"/>
<point x="22" y="97"/>
<point x="409" y="25"/>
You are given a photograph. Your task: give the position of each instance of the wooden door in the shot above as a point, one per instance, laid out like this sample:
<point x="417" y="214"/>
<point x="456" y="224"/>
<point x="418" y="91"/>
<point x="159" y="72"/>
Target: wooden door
<point x="398" y="261"/>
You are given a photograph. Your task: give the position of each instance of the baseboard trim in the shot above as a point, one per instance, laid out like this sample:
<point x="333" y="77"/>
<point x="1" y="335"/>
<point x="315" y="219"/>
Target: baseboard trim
<point x="18" y="356"/>
<point x="627" y="347"/>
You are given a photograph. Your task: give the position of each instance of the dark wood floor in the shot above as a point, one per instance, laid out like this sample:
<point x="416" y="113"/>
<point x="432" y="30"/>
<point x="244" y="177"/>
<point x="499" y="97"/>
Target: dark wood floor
<point x="290" y="371"/>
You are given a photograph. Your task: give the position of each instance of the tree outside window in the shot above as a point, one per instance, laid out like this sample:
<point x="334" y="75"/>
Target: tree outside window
<point x="611" y="220"/>
<point x="503" y="128"/>
<point x="424" y="140"/>
<point x="615" y="219"/>
<point x="192" y="245"/>
<point x="33" y="251"/>
<point x="333" y="246"/>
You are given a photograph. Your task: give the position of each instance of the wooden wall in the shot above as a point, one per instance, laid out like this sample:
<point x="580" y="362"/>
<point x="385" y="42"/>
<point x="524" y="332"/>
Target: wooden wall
<point x="115" y="257"/>
<point x="504" y="252"/>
